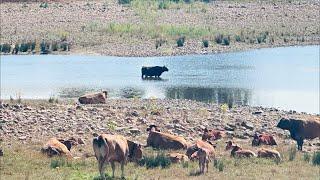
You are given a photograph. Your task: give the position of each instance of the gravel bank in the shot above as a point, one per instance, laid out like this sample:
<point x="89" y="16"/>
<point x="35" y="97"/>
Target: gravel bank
<point x="36" y="121"/>
<point x="107" y="28"/>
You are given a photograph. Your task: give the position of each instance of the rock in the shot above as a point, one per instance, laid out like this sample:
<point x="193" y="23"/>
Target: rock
<point x="22" y="137"/>
<point x="94" y="98"/>
<point x="81" y="141"/>
<point x="257" y="112"/>
<point x="228" y="128"/>
<point x="134" y="131"/>
<point x="247" y="125"/>
<point x="135" y="113"/>
<point x="1" y="152"/>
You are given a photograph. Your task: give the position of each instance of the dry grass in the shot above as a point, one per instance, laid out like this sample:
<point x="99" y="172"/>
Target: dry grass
<point x="26" y="162"/>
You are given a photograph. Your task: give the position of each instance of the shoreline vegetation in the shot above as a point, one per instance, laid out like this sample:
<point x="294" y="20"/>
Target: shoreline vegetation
<point x="155" y="28"/>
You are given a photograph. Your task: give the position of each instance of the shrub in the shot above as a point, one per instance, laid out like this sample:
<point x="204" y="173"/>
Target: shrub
<point x="124" y="1"/>
<point x="226" y="41"/>
<point x="224" y="108"/>
<point x="6" y="48"/>
<point x="205" y="43"/>
<point x="51" y="99"/>
<point x="44" y="47"/>
<point x="54" y="46"/>
<point x="44" y="5"/>
<point x="237" y="38"/>
<point x="15" y="49"/>
<point x="219" y="164"/>
<point x="180" y="41"/>
<point x="306" y="157"/>
<point x="163" y="5"/>
<point x="160" y="42"/>
<point x="65" y="46"/>
<point x="158" y="161"/>
<point x="57" y="163"/>
<point x="316" y="158"/>
<point x="218" y="38"/>
<point x="24" y="47"/>
<point x="292" y="153"/>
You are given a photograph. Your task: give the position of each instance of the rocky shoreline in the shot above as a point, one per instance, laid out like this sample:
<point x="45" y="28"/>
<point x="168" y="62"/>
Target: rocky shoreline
<point x="109" y="28"/>
<point x="35" y="121"/>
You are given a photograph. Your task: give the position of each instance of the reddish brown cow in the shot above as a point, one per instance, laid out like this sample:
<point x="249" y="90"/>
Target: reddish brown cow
<point x="110" y="148"/>
<point x="55" y="147"/>
<point x="200" y="144"/>
<point x="237" y="151"/>
<point x="177" y="157"/>
<point x="269" y="153"/>
<point x="263" y="139"/>
<point x="162" y="140"/>
<point x="211" y="135"/>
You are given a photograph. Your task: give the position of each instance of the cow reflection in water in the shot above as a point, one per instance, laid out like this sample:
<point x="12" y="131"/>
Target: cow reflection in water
<point x="153" y="79"/>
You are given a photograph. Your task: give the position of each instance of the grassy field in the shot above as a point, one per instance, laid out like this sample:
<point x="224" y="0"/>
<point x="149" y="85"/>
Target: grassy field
<point x="26" y="162"/>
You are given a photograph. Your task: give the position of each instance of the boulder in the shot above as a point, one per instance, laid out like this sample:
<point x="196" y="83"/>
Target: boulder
<point x="94" y="98"/>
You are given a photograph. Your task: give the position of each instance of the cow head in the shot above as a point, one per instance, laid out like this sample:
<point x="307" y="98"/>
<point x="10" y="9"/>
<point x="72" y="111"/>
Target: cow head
<point x="153" y="128"/>
<point x="135" y="150"/>
<point x="284" y="124"/>
<point x="164" y="68"/>
<point x="228" y="145"/>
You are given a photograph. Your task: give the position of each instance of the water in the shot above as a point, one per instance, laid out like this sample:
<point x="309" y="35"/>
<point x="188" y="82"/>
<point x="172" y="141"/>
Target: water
<point x="286" y="78"/>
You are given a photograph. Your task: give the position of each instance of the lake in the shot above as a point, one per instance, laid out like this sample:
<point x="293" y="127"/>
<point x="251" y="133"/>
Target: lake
<point x="285" y="78"/>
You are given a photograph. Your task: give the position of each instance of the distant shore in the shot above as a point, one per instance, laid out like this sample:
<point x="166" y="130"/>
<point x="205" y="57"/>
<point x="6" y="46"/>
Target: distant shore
<point x="143" y="29"/>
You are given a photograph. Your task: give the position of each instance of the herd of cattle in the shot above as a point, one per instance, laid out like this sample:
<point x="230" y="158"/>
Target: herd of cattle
<point x="110" y="148"/>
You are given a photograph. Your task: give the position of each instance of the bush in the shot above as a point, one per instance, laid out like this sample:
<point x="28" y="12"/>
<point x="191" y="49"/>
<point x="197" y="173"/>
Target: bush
<point x="316" y="158"/>
<point x="44" y="5"/>
<point x="152" y="162"/>
<point x="57" y="163"/>
<point x="124" y="1"/>
<point x="54" y="46"/>
<point x="24" y="47"/>
<point x="306" y="157"/>
<point x="44" y="47"/>
<point x="205" y="43"/>
<point x="163" y="5"/>
<point x="65" y="46"/>
<point x="226" y="41"/>
<point x="15" y="49"/>
<point x="6" y="48"/>
<point x="292" y="153"/>
<point x="219" y="164"/>
<point x="218" y="38"/>
<point x="238" y="38"/>
<point x="180" y="41"/>
<point x="160" y="42"/>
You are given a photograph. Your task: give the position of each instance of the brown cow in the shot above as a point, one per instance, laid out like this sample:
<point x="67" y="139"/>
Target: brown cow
<point x="212" y="134"/>
<point x="263" y="139"/>
<point x="94" y="98"/>
<point x="203" y="155"/>
<point x="55" y="147"/>
<point x="178" y="158"/>
<point x="200" y="144"/>
<point x="135" y="151"/>
<point x="300" y="129"/>
<point x="237" y="151"/>
<point x="269" y="153"/>
<point x="162" y="140"/>
<point x="110" y="148"/>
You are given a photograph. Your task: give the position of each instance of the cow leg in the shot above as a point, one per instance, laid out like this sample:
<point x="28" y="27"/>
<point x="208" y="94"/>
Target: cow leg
<point x="101" y="168"/>
<point x="207" y="163"/>
<point x="113" y="168"/>
<point x="300" y="144"/>
<point x="122" y="169"/>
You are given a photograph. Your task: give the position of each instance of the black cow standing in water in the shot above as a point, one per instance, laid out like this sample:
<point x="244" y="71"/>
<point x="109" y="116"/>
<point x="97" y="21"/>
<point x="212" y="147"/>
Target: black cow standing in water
<point x="155" y="71"/>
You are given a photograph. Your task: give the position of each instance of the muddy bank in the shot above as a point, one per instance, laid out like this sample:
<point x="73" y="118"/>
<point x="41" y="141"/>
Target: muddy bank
<point x="36" y="121"/>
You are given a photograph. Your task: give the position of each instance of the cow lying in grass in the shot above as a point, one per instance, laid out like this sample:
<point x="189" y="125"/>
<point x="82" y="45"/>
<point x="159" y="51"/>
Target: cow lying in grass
<point x="211" y="134"/>
<point x="269" y="153"/>
<point x="263" y="139"/>
<point x="157" y="139"/>
<point x="237" y="151"/>
<point x="57" y="147"/>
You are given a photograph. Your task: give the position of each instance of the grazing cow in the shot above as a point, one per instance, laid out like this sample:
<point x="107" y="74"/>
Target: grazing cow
<point x="110" y="148"/>
<point x="203" y="155"/>
<point x="300" y="129"/>
<point x="135" y="151"/>
<point x="269" y="153"/>
<point x="162" y="140"/>
<point x="263" y="139"/>
<point x="200" y="144"/>
<point x="155" y="71"/>
<point x="212" y="134"/>
<point x="178" y="158"/>
<point x="237" y="151"/>
<point x="94" y="98"/>
<point x="55" y="147"/>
